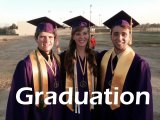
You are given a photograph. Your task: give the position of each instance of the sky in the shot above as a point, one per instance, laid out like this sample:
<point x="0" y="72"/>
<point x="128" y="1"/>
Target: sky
<point x="98" y="11"/>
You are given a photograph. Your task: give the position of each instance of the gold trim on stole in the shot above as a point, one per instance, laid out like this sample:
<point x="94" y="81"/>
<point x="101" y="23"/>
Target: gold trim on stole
<point x="120" y="73"/>
<point x="92" y="82"/>
<point x="39" y="73"/>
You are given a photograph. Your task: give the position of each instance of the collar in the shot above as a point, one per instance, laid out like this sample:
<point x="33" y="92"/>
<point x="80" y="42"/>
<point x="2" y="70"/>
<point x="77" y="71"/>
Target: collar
<point x="45" y="55"/>
<point x="118" y="55"/>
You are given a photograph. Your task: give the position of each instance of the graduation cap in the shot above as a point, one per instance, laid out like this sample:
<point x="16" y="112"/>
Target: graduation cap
<point x="121" y="18"/>
<point x="45" y="24"/>
<point x="79" y="21"/>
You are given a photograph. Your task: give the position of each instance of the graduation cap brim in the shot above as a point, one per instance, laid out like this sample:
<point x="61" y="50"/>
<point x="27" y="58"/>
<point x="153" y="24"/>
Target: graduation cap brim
<point x="120" y="16"/>
<point x="37" y="21"/>
<point x="76" y="21"/>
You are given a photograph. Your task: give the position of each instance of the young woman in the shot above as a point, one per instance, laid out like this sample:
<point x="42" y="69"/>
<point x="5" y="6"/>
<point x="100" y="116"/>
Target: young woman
<point x="80" y="69"/>
<point x="39" y="71"/>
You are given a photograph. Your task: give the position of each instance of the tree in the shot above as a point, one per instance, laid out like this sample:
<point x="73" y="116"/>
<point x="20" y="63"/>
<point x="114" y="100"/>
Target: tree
<point x="13" y="26"/>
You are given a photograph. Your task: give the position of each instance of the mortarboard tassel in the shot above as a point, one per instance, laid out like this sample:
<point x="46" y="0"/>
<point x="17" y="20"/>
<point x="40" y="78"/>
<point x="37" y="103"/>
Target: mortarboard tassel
<point x="130" y="42"/>
<point x="58" y="49"/>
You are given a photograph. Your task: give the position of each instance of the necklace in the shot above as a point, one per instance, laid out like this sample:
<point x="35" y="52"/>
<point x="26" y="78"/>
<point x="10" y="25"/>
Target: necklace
<point x="83" y="83"/>
<point x="53" y="67"/>
<point x="56" y="82"/>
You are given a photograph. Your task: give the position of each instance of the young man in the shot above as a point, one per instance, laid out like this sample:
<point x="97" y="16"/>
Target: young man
<point x="124" y="70"/>
<point x="39" y="71"/>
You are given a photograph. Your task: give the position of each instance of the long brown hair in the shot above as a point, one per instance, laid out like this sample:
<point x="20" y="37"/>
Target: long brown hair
<point x="69" y="57"/>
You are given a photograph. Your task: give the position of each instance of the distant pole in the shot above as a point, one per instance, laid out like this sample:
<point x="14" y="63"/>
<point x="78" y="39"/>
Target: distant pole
<point x="49" y="13"/>
<point x="90" y="16"/>
<point x="70" y="13"/>
<point x="90" y="12"/>
<point x="99" y="19"/>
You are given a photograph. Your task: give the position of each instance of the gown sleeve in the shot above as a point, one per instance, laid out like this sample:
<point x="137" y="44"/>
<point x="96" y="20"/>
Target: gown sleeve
<point x="15" y="110"/>
<point x="143" y="111"/>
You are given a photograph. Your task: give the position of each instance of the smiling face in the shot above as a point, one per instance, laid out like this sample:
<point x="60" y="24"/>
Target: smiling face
<point x="120" y="37"/>
<point x="81" y="37"/>
<point x="45" y="41"/>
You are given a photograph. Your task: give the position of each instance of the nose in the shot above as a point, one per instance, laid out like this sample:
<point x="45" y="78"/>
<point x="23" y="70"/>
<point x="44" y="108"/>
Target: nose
<point x="120" y="37"/>
<point x="46" y="39"/>
<point x="81" y="36"/>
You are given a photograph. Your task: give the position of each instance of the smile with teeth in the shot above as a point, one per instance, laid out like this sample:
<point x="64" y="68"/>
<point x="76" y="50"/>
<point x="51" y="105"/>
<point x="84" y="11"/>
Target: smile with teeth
<point x="120" y="42"/>
<point x="82" y="41"/>
<point x="45" y="45"/>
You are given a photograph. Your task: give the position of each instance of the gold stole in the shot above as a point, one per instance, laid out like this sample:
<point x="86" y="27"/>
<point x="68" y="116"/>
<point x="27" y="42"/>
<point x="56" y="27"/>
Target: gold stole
<point x="40" y="73"/>
<point x="40" y="77"/>
<point x="120" y="73"/>
<point x="92" y="83"/>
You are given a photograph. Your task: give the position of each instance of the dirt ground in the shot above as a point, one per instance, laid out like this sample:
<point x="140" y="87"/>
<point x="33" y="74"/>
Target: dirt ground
<point x="14" y="48"/>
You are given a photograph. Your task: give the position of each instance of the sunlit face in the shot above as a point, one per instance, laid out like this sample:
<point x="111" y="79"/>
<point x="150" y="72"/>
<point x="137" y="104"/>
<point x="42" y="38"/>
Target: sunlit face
<point x="45" y="41"/>
<point x="120" y="38"/>
<point x="81" y="37"/>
